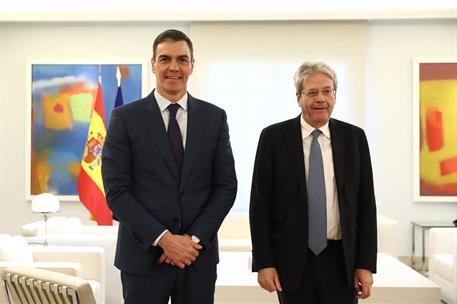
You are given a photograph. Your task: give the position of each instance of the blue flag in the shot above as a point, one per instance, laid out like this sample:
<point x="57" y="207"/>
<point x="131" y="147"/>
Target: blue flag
<point x="119" y="100"/>
<point x="117" y="103"/>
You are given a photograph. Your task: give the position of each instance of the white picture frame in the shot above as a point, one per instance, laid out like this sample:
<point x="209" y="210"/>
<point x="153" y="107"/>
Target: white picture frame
<point x="424" y="152"/>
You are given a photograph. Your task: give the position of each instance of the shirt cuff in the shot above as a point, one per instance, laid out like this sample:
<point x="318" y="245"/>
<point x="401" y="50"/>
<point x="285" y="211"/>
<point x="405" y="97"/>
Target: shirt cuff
<point x="158" y="238"/>
<point x="195" y="239"/>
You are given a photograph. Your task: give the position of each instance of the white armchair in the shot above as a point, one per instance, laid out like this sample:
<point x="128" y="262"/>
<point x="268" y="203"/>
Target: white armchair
<point x="443" y="262"/>
<point x="84" y="262"/>
<point x="31" y="285"/>
<point x="63" y="231"/>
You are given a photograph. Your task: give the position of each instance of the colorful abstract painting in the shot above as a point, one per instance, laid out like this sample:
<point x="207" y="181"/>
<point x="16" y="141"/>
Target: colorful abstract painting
<point x="62" y="99"/>
<point x="437" y="131"/>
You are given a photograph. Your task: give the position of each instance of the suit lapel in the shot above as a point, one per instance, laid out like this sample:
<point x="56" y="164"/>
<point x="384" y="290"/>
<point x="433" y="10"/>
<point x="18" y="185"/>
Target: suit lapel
<point x="338" y="140"/>
<point x="294" y="144"/>
<point x="195" y="128"/>
<point x="154" y="125"/>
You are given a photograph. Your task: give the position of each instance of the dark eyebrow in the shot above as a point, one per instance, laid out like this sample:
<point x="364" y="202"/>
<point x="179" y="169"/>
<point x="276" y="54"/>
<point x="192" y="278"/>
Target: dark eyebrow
<point x="168" y="57"/>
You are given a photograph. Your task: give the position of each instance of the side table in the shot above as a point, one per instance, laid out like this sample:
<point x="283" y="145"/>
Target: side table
<point x="424" y="226"/>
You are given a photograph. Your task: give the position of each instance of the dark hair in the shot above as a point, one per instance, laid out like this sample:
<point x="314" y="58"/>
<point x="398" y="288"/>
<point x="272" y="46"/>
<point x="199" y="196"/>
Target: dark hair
<point x="172" y="35"/>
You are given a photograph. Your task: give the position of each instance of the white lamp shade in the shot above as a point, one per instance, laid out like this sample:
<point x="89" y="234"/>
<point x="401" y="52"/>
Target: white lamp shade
<point x="45" y="203"/>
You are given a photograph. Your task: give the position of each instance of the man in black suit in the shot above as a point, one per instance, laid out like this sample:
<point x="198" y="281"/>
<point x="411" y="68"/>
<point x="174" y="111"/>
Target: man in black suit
<point x="314" y="248"/>
<point x="169" y="177"/>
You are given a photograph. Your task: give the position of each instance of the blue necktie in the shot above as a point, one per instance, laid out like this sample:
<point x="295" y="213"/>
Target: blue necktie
<point x="174" y="135"/>
<point x="317" y="209"/>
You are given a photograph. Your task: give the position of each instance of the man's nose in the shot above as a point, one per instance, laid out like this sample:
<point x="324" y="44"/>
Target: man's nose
<point x="320" y="96"/>
<point x="173" y="66"/>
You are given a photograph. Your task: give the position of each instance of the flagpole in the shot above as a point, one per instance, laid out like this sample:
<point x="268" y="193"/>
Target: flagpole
<point x="118" y="76"/>
<point x="119" y="100"/>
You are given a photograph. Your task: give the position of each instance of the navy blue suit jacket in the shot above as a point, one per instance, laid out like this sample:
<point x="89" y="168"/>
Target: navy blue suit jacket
<point x="146" y="192"/>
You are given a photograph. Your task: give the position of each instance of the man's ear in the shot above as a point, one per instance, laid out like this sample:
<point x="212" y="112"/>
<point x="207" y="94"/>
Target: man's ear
<point x="192" y="64"/>
<point x="298" y="98"/>
<point x="152" y="65"/>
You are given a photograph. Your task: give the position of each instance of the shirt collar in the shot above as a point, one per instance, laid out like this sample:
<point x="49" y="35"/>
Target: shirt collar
<point x="306" y="128"/>
<point x="164" y="103"/>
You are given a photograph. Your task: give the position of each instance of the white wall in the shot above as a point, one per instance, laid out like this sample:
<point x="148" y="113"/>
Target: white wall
<point x="247" y="69"/>
<point x="391" y="47"/>
<point x="2" y="128"/>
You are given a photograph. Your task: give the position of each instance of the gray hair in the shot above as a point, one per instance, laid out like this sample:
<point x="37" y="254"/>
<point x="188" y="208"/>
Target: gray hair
<point x="308" y="68"/>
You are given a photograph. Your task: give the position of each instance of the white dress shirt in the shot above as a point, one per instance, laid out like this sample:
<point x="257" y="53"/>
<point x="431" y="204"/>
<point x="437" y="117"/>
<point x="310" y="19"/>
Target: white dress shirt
<point x="333" y="211"/>
<point x="181" y="118"/>
<point x="181" y="115"/>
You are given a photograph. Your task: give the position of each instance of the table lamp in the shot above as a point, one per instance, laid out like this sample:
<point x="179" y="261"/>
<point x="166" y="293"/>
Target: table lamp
<point x="45" y="203"/>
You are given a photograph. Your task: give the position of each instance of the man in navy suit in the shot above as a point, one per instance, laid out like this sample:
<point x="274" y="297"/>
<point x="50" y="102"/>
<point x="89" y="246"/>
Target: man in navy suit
<point x="169" y="178"/>
<point x="314" y="240"/>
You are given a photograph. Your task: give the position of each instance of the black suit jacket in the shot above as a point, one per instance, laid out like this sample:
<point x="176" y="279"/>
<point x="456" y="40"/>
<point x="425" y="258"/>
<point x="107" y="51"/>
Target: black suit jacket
<point x="146" y="192"/>
<point x="279" y="208"/>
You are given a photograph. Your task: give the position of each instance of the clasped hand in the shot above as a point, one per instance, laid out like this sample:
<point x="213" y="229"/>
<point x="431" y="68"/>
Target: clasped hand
<point x="178" y="250"/>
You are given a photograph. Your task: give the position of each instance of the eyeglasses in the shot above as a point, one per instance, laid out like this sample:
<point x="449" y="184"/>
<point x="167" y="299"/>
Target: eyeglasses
<point x="314" y="92"/>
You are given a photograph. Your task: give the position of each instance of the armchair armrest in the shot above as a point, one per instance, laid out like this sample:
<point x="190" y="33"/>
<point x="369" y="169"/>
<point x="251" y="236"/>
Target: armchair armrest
<point x="441" y="240"/>
<point x="91" y="259"/>
<point x="69" y="268"/>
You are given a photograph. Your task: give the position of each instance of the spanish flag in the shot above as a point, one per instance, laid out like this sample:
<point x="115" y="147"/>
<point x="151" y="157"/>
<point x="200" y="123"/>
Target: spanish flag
<point x="90" y="185"/>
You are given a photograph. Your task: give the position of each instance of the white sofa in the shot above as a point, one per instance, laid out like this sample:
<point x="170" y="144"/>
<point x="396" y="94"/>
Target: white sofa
<point x="388" y="236"/>
<point x="443" y="262"/>
<point x="85" y="262"/>
<point x="234" y="234"/>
